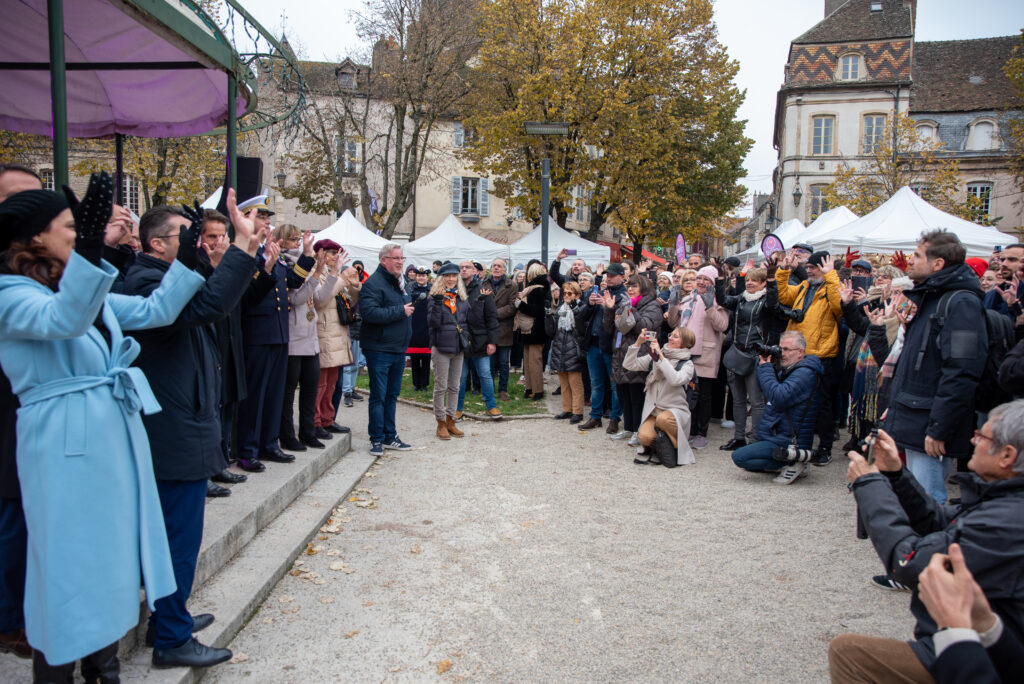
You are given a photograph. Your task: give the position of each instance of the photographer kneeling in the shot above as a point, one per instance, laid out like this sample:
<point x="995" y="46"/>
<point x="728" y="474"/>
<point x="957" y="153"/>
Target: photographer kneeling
<point x="786" y="431"/>
<point x="665" y="420"/>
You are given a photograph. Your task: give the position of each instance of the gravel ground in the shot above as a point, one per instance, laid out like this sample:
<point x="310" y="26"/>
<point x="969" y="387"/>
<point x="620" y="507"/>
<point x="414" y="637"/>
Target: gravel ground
<point x="530" y="551"/>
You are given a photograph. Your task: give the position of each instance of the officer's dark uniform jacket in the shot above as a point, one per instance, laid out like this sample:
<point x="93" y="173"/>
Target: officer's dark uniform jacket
<point x="266" y="321"/>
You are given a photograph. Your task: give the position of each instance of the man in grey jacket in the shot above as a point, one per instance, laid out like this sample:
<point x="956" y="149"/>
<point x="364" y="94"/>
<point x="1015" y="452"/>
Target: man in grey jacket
<point x="907" y="527"/>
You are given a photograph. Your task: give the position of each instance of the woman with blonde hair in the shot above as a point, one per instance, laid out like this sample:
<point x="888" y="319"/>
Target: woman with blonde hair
<point x="531" y="309"/>
<point x="447" y="321"/>
<point x="567" y="358"/>
<point x="665" y="421"/>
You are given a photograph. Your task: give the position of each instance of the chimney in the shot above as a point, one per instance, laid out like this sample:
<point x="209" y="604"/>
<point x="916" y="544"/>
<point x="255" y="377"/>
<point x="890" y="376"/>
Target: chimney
<point x="832" y="5"/>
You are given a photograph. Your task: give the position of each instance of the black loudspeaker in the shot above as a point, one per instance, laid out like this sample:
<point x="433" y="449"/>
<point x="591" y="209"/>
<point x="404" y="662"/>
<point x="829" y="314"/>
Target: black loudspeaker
<point x="250" y="177"/>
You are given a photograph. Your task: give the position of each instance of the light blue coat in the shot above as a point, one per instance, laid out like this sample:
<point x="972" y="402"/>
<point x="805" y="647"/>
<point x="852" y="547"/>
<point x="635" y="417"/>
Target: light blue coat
<point x="86" y="475"/>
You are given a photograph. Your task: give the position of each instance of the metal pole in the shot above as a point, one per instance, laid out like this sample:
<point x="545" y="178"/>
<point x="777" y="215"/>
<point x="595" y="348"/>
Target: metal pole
<point x="58" y="91"/>
<point x="119" y="168"/>
<point x="231" y="177"/>
<point x="545" y="182"/>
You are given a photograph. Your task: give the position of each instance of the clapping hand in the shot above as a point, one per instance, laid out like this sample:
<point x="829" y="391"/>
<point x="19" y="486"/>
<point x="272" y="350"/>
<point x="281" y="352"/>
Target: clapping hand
<point x="828" y="263"/>
<point x="243" y="224"/>
<point x="270" y="253"/>
<point x="118" y="228"/>
<point x="1009" y="295"/>
<point x="846" y="291"/>
<point x="608" y="302"/>
<point x="92" y="214"/>
<point x="307" y="243"/>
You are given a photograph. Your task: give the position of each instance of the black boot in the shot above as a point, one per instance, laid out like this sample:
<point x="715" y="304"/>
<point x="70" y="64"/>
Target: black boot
<point x="102" y="667"/>
<point x="44" y="673"/>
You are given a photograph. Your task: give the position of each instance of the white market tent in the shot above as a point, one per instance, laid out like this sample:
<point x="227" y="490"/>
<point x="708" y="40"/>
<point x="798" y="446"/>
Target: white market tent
<point x="824" y="224"/>
<point x="358" y="241"/>
<point x="451" y="241"/>
<point x="787" y="232"/>
<point x="898" y="224"/>
<point x="528" y="247"/>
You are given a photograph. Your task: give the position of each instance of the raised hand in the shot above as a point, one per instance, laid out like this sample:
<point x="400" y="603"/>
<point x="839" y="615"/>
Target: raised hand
<point x="846" y="291"/>
<point x="92" y="214"/>
<point x="216" y="251"/>
<point x="118" y="228"/>
<point x="561" y="255"/>
<point x="851" y="256"/>
<point x="243" y="225"/>
<point x="307" y="243"/>
<point x="828" y="264"/>
<point x="270" y="253"/>
<point x="876" y="316"/>
<point x="1009" y="295"/>
<point x="899" y="260"/>
<point x="188" y="244"/>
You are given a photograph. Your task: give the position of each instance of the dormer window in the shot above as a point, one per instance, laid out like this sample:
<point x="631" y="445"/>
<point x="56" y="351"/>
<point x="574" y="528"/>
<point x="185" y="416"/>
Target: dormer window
<point x="849" y="68"/>
<point x="876" y="7"/>
<point x="348" y="80"/>
<point x="982" y="135"/>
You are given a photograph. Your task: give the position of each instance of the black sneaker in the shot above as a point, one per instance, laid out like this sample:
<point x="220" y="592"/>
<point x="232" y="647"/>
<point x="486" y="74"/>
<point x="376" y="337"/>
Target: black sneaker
<point x="357" y="396"/>
<point x="376" y="448"/>
<point x="886" y="582"/>
<point x="397" y="445"/>
<point x="822" y="457"/>
<point x="348" y="400"/>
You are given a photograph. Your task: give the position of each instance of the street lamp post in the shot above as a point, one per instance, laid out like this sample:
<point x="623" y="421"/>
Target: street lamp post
<point x="545" y="128"/>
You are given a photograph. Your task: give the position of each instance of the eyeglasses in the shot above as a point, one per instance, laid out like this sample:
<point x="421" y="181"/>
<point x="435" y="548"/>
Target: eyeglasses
<point x="978" y="435"/>
<point x="168" y="236"/>
<point x="393" y="258"/>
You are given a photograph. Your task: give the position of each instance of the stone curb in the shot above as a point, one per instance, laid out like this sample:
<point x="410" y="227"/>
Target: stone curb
<point x="475" y="416"/>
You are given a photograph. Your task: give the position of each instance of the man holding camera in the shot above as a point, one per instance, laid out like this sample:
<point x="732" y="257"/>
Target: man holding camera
<point x="785" y="434"/>
<point x="817" y="309"/>
<point x="907" y="528"/>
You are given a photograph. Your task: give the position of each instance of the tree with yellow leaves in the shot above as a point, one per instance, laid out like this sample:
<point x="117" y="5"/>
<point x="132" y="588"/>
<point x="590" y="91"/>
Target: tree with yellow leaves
<point x="904" y="158"/>
<point x="649" y="95"/>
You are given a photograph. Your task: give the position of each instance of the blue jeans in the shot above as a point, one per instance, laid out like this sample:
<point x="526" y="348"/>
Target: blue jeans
<point x="483" y="369"/>
<point x="347" y="378"/>
<point x="757" y="457"/>
<point x="499" y="367"/>
<point x="600" y="366"/>
<point x="930" y="472"/>
<point x="385" y="371"/>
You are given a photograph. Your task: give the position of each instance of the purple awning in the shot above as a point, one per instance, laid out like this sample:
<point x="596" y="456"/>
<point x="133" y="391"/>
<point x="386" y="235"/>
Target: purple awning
<point x="146" y="103"/>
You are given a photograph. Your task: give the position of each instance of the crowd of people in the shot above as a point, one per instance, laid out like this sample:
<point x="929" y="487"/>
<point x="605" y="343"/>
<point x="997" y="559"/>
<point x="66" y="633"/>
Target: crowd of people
<point x="919" y="358"/>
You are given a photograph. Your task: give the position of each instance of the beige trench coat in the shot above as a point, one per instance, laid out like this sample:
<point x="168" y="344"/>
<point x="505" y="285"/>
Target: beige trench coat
<point x="335" y="346"/>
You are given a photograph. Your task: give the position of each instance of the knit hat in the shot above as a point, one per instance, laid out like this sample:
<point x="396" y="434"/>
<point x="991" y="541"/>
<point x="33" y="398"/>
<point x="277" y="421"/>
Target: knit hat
<point x="327" y="244"/>
<point x="817" y="258"/>
<point x="977" y="264"/>
<point x="709" y="272"/>
<point x="28" y="213"/>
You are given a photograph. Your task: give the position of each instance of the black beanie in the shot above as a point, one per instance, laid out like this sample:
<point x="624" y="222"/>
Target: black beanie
<point x="817" y="258"/>
<point x="26" y="214"/>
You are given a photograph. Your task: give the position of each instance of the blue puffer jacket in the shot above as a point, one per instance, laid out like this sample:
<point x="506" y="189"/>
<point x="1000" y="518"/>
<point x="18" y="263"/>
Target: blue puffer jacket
<point x="792" y="393"/>
<point x="386" y="328"/>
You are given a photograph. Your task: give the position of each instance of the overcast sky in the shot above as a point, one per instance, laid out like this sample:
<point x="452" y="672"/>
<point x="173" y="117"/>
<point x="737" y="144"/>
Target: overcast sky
<point x="755" y="32"/>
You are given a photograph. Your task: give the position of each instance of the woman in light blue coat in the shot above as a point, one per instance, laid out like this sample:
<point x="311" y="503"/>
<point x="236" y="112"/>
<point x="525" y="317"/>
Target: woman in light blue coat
<point x="90" y="499"/>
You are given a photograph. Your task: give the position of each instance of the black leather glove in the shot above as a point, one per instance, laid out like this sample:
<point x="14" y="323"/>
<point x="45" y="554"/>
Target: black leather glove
<point x="92" y="215"/>
<point x="188" y="238"/>
<point x="438" y="298"/>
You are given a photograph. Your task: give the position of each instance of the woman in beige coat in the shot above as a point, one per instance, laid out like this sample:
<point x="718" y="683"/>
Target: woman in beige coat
<point x="335" y="348"/>
<point x="666" y="409"/>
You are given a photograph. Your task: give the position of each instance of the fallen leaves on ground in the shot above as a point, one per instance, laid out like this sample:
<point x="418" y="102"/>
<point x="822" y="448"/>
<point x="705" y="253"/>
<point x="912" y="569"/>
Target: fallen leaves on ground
<point x="327" y="599"/>
<point x="334" y="552"/>
<point x="415" y="549"/>
<point x="239" y="658"/>
<point x="343" y="567"/>
<point x="444" y="666"/>
<point x="351" y="634"/>
<point x="286" y="598"/>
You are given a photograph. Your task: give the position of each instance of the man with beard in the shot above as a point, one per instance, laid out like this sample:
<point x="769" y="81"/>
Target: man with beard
<point x="1006" y="296"/>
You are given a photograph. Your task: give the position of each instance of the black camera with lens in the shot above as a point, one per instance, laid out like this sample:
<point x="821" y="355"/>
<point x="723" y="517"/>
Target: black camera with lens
<point x="790" y="314"/>
<point x="770" y="350"/>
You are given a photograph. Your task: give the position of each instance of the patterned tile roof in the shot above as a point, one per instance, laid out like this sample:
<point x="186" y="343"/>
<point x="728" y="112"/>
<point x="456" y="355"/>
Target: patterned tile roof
<point x="854" y="21"/>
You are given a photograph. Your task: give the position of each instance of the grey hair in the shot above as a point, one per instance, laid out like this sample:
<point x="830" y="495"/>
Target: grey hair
<point x="387" y="249"/>
<point x="797" y="337"/>
<point x="497" y="259"/>
<point x="1007" y="421"/>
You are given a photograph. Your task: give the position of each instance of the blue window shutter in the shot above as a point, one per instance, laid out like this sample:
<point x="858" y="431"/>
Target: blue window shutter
<point x="458" y="137"/>
<point x="456" y="195"/>
<point x="485" y="200"/>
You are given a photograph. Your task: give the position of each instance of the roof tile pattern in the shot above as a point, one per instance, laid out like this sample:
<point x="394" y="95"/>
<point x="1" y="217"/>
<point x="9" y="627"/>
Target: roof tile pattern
<point x="886" y="60"/>
<point x="855" y="22"/>
<point x="963" y="75"/>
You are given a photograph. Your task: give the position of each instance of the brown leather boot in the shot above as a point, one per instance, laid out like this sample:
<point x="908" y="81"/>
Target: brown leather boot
<point x="452" y="430"/>
<point x="442" y="430"/>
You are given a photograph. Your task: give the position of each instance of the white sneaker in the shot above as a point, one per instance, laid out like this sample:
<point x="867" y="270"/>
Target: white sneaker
<point x="634" y="441"/>
<point x="791" y="474"/>
<point x="621" y="434"/>
<point x="641" y="450"/>
<point x="728" y="424"/>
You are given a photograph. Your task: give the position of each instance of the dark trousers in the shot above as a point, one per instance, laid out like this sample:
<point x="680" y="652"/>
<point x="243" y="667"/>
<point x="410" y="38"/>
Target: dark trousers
<point x="13" y="550"/>
<point x="825" y="425"/>
<point x="183" y="504"/>
<point x="516" y="351"/>
<point x="631" y="399"/>
<point x="228" y="415"/>
<point x="420" y="366"/>
<point x="499" y="368"/>
<point x="101" y="666"/>
<point x="586" y="377"/>
<point x="385" y="374"/>
<point x="702" y="414"/>
<point x="719" y="405"/>
<point x="266" y="368"/>
<point x="304" y="373"/>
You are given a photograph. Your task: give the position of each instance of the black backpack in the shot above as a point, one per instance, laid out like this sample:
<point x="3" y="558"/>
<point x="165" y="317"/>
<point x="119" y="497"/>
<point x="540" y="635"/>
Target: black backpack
<point x="1001" y="340"/>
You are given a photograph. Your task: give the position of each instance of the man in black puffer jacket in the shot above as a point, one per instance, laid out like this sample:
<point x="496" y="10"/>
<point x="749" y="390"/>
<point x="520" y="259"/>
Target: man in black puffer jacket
<point x="483" y="331"/>
<point x="907" y="527"/>
<point x="931" y="405"/>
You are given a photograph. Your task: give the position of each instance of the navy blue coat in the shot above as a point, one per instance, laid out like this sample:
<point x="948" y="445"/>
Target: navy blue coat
<point x="932" y="389"/>
<point x="420" y="295"/>
<point x="791" y="393"/>
<point x="386" y="328"/>
<point x="265" y="321"/>
<point x="182" y="363"/>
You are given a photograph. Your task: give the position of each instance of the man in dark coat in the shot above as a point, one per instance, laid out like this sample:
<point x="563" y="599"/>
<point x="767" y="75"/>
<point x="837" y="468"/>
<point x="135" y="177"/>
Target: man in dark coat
<point x="931" y="405"/>
<point x="505" y="306"/>
<point x="483" y="333"/>
<point x="385" y="334"/>
<point x="907" y="527"/>
<point x="419" y="343"/>
<point x="182" y="364"/>
<point x="265" y="343"/>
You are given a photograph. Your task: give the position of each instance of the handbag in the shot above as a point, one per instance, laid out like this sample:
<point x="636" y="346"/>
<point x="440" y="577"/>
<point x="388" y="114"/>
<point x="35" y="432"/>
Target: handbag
<point x="464" y="338"/>
<point x="739" y="362"/>
<point x="345" y="313"/>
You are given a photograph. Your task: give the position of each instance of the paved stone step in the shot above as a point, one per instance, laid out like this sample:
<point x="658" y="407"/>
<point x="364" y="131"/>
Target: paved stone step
<point x="238" y="588"/>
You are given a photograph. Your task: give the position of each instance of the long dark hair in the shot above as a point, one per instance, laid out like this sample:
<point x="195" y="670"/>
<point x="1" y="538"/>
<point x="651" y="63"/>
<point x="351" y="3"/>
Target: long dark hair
<point x="33" y="261"/>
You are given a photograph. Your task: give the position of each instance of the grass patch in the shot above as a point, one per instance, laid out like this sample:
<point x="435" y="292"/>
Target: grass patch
<point x="517" y="406"/>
